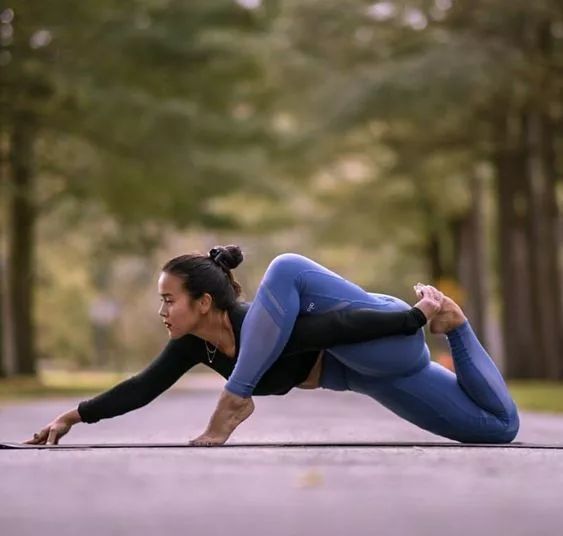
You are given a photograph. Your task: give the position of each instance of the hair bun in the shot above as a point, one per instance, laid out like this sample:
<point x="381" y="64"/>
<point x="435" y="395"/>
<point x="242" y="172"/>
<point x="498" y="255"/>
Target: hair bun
<point x="228" y="257"/>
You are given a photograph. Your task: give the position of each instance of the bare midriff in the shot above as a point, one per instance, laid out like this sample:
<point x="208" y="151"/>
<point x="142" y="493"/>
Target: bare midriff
<point x="313" y="380"/>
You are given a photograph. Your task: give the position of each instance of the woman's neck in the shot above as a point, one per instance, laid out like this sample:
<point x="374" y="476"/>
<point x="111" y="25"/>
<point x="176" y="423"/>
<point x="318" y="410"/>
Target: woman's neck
<point x="218" y="331"/>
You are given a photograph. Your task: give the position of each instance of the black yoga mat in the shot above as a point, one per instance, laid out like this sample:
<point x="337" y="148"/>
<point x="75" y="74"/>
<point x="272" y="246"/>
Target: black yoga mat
<point x="311" y="444"/>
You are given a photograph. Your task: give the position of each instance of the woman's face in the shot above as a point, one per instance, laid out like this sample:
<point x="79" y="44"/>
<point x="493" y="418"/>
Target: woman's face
<point x="180" y="314"/>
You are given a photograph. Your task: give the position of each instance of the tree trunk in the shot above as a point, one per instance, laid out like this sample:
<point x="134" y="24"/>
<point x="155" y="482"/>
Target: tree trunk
<point x="555" y="235"/>
<point x="546" y="315"/>
<point x="436" y="268"/>
<point x="101" y="316"/>
<point x="542" y="234"/>
<point x="518" y="334"/>
<point x="433" y="248"/>
<point x="18" y="324"/>
<point x="3" y="372"/>
<point x="472" y="260"/>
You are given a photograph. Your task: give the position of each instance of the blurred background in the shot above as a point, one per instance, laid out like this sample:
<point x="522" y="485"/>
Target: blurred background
<point x="394" y="142"/>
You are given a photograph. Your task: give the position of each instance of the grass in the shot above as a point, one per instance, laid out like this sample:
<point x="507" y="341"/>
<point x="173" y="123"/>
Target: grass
<point x="535" y="395"/>
<point x="529" y="395"/>
<point x="52" y="384"/>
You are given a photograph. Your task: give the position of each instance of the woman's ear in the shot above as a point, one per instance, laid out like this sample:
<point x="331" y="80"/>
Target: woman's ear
<point x="205" y="303"/>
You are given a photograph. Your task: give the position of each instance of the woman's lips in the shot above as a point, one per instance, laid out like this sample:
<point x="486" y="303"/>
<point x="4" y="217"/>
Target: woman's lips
<point x="167" y="325"/>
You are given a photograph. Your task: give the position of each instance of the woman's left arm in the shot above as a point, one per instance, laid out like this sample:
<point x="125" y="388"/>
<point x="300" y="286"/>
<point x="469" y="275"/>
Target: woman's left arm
<point x="351" y="326"/>
<point x="317" y="332"/>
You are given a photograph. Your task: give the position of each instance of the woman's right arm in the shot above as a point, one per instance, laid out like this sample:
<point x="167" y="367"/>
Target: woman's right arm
<point x="176" y="358"/>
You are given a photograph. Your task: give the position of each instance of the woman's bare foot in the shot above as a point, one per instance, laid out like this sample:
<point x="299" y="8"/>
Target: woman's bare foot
<point x="231" y="411"/>
<point x="450" y="317"/>
<point x="430" y="300"/>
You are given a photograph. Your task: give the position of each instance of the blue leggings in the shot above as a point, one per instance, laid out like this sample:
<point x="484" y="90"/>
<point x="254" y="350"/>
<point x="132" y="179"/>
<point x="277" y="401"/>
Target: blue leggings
<point x="473" y="405"/>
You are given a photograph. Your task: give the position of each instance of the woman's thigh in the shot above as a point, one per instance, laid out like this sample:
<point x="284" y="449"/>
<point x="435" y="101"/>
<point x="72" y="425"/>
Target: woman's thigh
<point x="433" y="399"/>
<point x="319" y="289"/>
<point x="394" y="356"/>
<point x="386" y="356"/>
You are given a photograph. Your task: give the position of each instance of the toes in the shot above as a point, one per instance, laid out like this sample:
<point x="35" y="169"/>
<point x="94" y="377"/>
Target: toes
<point x="418" y="290"/>
<point x="435" y="293"/>
<point x="428" y="291"/>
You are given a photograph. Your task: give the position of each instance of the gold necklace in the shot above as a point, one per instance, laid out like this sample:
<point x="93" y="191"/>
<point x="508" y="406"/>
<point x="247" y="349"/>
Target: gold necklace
<point x="211" y="353"/>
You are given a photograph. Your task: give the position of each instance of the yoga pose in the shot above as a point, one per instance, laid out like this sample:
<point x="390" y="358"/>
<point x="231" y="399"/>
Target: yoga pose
<point x="370" y="343"/>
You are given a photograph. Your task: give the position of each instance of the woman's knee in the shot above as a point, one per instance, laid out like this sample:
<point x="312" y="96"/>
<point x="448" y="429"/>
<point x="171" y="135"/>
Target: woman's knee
<point x="287" y="264"/>
<point x="502" y="431"/>
<point x="512" y="426"/>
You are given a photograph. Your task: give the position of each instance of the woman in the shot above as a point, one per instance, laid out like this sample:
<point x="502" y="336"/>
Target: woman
<point x="199" y="307"/>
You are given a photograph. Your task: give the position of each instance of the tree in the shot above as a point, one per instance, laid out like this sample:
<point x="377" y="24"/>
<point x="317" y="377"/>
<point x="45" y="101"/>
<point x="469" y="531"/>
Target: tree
<point x="472" y="82"/>
<point x="133" y="106"/>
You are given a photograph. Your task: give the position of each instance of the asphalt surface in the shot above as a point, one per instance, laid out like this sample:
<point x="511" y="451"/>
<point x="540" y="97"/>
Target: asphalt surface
<point x="309" y="491"/>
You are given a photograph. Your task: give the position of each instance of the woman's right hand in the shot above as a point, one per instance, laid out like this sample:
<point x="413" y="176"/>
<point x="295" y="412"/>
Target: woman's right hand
<point x="51" y="434"/>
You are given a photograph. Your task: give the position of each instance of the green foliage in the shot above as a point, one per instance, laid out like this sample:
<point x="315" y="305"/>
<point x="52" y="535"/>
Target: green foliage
<point x="137" y="103"/>
<point x="345" y="130"/>
<point x="538" y="395"/>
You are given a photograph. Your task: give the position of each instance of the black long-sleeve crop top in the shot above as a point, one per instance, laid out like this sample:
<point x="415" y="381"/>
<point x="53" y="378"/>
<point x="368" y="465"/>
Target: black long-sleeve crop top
<point x="311" y="333"/>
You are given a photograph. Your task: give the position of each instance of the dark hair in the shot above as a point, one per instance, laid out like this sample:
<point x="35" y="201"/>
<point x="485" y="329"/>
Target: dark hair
<point x="209" y="273"/>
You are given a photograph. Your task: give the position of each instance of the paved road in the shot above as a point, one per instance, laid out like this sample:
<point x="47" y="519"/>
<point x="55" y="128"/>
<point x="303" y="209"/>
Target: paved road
<point x="271" y="492"/>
